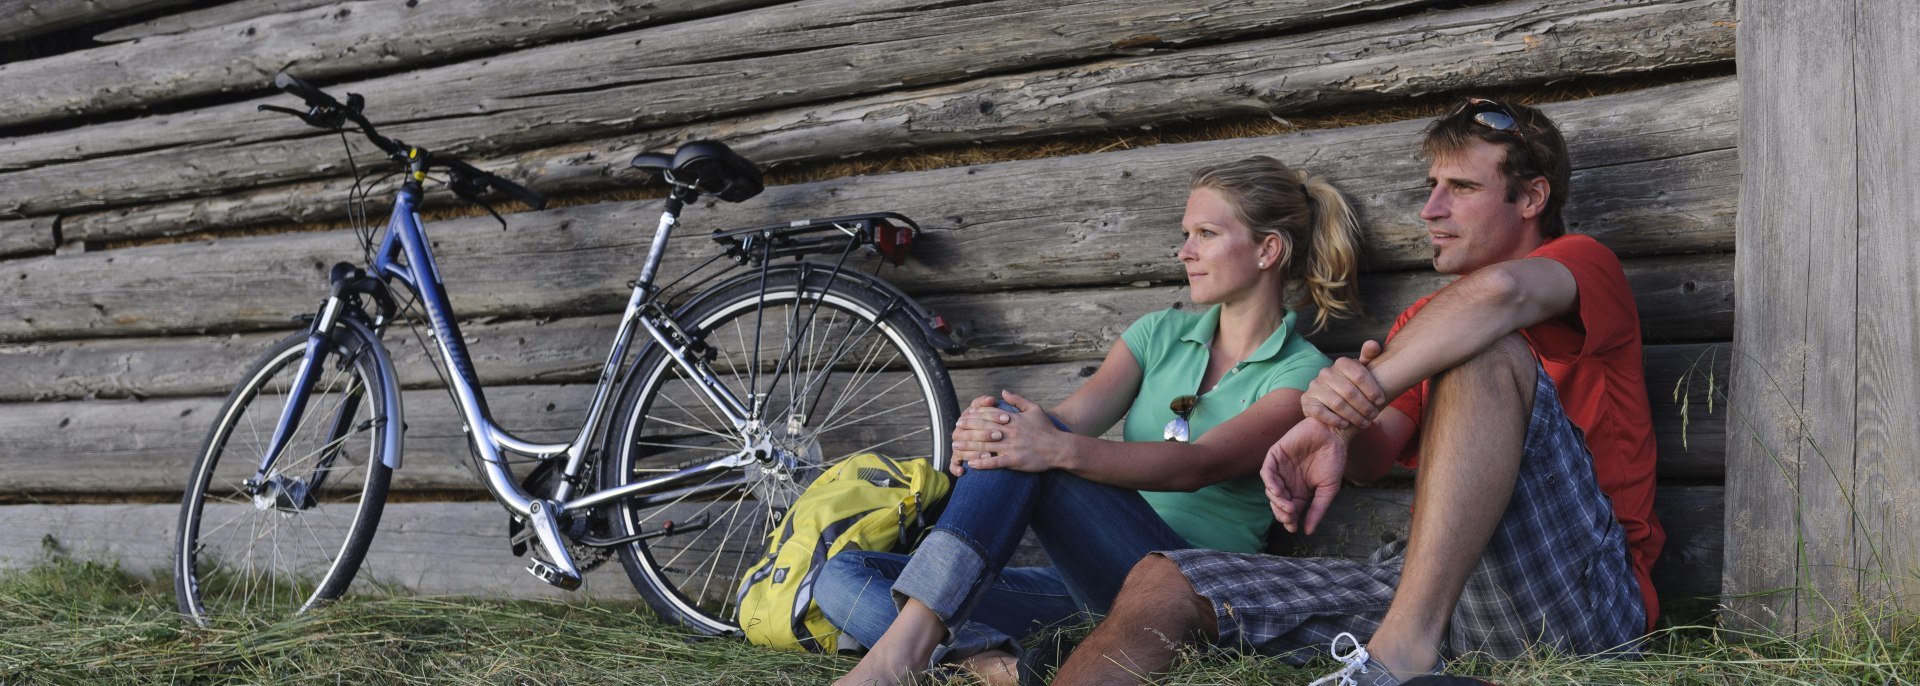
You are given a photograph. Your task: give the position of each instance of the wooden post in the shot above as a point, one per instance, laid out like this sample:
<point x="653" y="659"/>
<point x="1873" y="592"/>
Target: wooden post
<point x="1820" y="467"/>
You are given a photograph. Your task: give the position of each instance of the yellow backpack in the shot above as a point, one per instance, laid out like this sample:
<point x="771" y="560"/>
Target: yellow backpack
<point x="865" y="502"/>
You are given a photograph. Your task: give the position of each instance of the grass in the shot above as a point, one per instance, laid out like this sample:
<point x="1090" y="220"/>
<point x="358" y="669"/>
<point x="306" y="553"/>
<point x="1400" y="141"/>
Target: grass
<point x="67" y="622"/>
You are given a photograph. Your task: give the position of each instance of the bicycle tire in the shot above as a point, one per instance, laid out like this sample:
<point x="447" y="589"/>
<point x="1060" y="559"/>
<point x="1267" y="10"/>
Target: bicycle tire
<point x="660" y="426"/>
<point x="273" y="555"/>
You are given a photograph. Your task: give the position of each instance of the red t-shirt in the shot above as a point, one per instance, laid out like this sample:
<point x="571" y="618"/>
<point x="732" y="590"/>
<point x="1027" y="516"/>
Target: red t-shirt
<point x="1593" y="357"/>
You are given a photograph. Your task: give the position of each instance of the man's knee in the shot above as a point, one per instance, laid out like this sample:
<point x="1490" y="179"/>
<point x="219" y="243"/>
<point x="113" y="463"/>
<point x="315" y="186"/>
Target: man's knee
<point x="1508" y="363"/>
<point x="1157" y="586"/>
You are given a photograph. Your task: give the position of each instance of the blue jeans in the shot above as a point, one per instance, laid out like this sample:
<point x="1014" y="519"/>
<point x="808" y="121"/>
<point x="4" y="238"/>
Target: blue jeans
<point x="1093" y="533"/>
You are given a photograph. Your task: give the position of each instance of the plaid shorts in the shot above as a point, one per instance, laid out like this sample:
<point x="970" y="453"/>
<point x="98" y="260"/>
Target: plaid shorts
<point x="1555" y="572"/>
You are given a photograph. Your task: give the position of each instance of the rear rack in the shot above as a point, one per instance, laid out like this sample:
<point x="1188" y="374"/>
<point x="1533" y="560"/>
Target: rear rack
<point x="887" y="234"/>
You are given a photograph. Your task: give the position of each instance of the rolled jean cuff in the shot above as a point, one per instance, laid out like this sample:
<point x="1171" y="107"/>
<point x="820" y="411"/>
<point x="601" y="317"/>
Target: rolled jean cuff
<point x="947" y="573"/>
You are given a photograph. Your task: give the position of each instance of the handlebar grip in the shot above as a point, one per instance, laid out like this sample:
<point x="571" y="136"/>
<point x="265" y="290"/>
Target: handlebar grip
<point x="293" y="85"/>
<point x="522" y="193"/>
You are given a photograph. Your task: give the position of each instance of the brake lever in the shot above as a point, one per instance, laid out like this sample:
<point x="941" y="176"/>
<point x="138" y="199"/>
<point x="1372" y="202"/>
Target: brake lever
<point x="320" y="117"/>
<point x="470" y="188"/>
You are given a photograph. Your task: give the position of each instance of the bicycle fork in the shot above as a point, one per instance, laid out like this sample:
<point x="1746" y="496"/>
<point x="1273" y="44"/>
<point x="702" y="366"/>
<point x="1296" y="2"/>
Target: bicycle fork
<point x="293" y="494"/>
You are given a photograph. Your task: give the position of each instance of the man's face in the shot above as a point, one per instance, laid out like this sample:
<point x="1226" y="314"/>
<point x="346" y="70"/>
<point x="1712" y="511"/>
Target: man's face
<point x="1469" y="222"/>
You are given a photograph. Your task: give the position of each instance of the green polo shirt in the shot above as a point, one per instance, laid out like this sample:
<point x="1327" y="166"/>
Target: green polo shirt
<point x="1173" y="346"/>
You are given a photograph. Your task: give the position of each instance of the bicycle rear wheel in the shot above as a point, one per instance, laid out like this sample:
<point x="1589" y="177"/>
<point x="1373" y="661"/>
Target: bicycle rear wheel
<point x="299" y="542"/>
<point x="829" y="367"/>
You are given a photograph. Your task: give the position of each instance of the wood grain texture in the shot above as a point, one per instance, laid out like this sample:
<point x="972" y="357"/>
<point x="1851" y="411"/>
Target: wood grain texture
<point x="26" y="18"/>
<point x="146" y="446"/>
<point x="22" y="236"/>
<point x="1003" y="328"/>
<point x="1661" y="158"/>
<point x="1021" y="224"/>
<point x="1790" y="457"/>
<point x="772" y="57"/>
<point x="318" y="43"/>
<point x="1888" y="320"/>
<point x="1273" y="76"/>
<point x="460" y="548"/>
<point x="123" y="446"/>
<point x="126" y="447"/>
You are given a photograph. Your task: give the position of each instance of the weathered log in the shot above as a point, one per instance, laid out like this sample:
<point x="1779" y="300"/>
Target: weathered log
<point x="18" y="236"/>
<point x="1668" y="122"/>
<point x="1686" y="383"/>
<point x="1036" y="104"/>
<point x="1362" y="519"/>
<point x="320" y="43"/>
<point x="218" y="15"/>
<point x="34" y="17"/>
<point x="147" y="447"/>
<point x="123" y="446"/>
<point x="773" y="57"/>
<point x="461" y="548"/>
<point x="1089" y="219"/>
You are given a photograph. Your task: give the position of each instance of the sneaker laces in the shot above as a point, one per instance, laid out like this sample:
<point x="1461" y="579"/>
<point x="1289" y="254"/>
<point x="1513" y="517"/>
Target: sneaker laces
<point x="1354" y="661"/>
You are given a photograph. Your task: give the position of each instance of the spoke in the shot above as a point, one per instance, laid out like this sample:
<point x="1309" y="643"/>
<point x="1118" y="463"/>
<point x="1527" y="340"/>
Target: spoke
<point x="854" y="386"/>
<point x="698" y="394"/>
<point x="676" y="446"/>
<point x="733" y="516"/>
<point x="869" y="401"/>
<point x="657" y="509"/>
<point x="689" y="427"/>
<point x="825" y="371"/>
<point x="703" y="532"/>
<point x="870" y="448"/>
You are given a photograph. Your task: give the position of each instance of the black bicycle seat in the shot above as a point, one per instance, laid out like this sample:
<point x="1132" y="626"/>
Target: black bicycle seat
<point x="710" y="166"/>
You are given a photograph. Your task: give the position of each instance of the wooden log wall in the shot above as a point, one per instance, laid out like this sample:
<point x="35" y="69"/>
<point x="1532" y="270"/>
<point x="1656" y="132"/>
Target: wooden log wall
<point x="1823" y="461"/>
<point x="117" y="341"/>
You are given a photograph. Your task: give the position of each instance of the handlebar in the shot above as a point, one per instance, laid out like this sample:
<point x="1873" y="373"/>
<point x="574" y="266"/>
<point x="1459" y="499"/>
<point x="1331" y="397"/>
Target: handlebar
<point x="326" y="112"/>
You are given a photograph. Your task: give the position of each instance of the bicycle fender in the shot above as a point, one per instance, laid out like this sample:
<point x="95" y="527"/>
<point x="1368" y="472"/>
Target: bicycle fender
<point x="919" y="314"/>
<point x="390" y="392"/>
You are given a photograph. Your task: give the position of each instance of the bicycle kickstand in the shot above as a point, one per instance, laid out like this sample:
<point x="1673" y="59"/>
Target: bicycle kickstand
<point x="560" y="572"/>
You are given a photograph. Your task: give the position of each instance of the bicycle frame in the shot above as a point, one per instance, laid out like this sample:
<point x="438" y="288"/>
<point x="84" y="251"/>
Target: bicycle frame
<point x="404" y="256"/>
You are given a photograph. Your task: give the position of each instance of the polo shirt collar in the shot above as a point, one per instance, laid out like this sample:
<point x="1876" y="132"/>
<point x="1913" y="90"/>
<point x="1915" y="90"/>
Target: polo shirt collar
<point x="1202" y="330"/>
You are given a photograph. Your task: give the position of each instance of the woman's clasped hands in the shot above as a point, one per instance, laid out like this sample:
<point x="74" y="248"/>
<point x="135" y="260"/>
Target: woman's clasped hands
<point x="990" y="437"/>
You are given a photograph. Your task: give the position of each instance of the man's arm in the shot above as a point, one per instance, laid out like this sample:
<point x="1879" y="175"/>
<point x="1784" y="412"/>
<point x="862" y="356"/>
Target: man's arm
<point x="1362" y="436"/>
<point x="1459" y="322"/>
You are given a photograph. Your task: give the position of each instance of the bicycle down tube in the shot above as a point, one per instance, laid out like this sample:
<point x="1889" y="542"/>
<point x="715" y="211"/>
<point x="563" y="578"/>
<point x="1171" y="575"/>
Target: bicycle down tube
<point x="405" y="238"/>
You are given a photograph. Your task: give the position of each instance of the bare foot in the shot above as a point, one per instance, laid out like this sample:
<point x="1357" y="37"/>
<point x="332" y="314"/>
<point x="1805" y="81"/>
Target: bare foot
<point x="877" y="669"/>
<point x="901" y="652"/>
<point x="993" y="668"/>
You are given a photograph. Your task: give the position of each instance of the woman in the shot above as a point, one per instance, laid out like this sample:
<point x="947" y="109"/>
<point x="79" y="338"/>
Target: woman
<point x="1203" y="395"/>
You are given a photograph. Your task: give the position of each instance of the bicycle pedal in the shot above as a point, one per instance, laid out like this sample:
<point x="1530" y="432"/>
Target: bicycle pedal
<point x="542" y="570"/>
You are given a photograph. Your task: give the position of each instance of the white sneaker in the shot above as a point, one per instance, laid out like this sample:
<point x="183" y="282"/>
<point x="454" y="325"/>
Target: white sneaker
<point x="1357" y="667"/>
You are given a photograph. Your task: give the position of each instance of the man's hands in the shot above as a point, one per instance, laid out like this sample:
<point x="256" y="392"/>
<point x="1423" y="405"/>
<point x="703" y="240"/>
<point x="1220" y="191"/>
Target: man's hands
<point x="1302" y="472"/>
<point x="987" y="437"/>
<point x="1346" y="394"/>
<point x="1303" y="469"/>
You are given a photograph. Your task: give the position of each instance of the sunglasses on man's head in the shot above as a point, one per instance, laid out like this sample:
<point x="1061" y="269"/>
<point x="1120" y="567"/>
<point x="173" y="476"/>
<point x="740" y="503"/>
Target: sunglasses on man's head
<point x="1496" y="116"/>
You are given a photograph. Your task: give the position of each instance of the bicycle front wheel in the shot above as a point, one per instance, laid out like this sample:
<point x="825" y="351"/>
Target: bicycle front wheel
<point x="827" y="368"/>
<point x="297" y="537"/>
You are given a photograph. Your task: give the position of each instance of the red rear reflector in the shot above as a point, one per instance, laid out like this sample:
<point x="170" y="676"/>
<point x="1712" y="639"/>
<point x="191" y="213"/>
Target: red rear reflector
<point x="892" y="240"/>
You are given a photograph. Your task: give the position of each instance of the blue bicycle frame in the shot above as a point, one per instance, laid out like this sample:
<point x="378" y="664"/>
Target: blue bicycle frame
<point x="404" y="257"/>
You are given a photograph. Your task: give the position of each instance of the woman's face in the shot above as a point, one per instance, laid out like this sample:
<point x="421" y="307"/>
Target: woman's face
<point x="1220" y="254"/>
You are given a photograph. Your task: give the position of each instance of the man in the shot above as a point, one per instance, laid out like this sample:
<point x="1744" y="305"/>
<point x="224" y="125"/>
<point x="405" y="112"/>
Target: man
<point x="1520" y="535"/>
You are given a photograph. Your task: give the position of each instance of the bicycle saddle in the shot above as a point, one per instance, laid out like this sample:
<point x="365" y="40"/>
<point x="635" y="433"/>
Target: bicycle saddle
<point x="710" y="166"/>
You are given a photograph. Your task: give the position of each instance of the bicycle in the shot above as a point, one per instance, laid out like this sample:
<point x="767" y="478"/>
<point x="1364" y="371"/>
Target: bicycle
<point x="743" y="391"/>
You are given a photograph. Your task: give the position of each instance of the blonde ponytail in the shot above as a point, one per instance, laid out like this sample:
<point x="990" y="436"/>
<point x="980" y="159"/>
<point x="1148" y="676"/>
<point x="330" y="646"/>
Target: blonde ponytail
<point x="1329" y="272"/>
